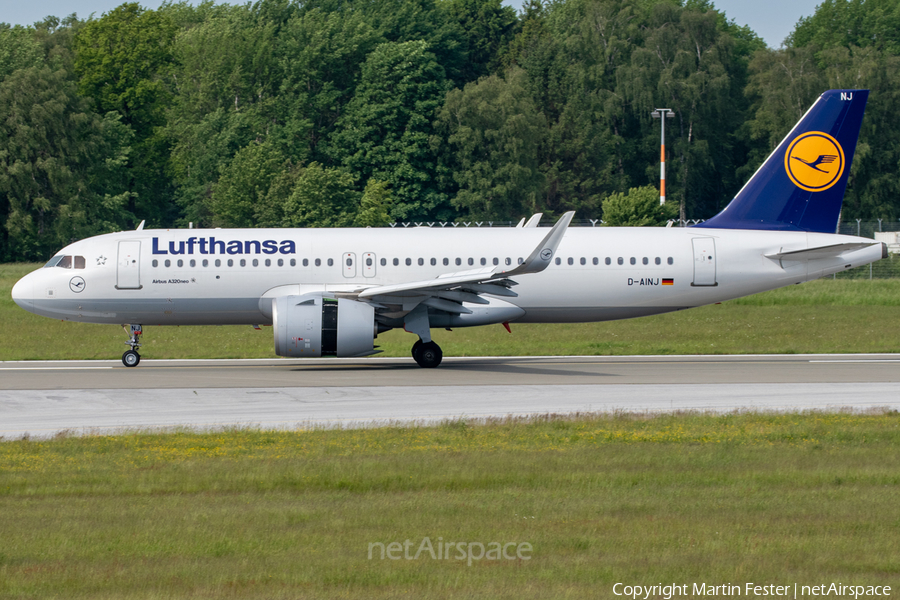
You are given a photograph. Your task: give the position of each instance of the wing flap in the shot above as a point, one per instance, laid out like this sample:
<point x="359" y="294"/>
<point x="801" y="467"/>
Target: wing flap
<point x="446" y="305"/>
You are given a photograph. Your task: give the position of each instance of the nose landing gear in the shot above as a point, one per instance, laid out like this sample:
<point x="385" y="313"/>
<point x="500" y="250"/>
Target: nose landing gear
<point x="131" y="358"/>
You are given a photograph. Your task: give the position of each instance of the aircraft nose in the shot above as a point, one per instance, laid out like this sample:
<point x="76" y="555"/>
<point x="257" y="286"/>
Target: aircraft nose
<point x="23" y="292"/>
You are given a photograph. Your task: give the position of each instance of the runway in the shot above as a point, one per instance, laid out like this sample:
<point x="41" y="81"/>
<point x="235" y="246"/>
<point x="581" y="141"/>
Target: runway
<point x="42" y="398"/>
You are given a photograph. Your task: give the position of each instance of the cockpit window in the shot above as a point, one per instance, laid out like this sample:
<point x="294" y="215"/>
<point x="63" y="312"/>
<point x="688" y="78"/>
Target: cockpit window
<point x="66" y="262"/>
<point x="53" y="261"/>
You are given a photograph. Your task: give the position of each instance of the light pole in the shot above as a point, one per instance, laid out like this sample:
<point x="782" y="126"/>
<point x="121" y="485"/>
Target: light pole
<point x="662" y="114"/>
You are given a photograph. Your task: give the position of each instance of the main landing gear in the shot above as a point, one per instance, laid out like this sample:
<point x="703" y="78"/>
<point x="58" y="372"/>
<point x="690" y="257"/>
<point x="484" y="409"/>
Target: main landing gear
<point x="131" y="358"/>
<point x="427" y="354"/>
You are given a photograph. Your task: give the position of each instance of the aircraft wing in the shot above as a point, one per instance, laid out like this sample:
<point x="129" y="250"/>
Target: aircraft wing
<point x="449" y="290"/>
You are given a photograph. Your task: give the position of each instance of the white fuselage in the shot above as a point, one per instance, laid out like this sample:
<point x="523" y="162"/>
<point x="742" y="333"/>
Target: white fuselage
<point x="197" y="277"/>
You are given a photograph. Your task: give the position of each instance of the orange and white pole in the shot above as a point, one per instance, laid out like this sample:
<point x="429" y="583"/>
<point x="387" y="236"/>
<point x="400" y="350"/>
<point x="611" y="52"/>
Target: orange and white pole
<point x="662" y="114"/>
<point x="662" y="164"/>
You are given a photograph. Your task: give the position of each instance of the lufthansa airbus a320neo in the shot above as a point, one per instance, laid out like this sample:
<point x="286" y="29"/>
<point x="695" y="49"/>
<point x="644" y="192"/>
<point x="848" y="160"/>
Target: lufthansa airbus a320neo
<point x="330" y="292"/>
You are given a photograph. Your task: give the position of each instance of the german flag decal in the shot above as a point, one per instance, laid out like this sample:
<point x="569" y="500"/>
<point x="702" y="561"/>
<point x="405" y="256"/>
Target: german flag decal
<point x="668" y="282"/>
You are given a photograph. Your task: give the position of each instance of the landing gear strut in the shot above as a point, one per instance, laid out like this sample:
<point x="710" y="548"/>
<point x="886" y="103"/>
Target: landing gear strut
<point x="131" y="358"/>
<point x="427" y="354"/>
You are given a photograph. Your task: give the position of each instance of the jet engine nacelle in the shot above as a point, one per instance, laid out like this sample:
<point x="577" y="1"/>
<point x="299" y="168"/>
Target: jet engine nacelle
<point x="316" y="325"/>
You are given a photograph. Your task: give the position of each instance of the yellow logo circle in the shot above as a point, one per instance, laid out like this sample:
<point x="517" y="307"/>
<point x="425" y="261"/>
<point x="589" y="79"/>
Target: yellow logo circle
<point x="814" y="161"/>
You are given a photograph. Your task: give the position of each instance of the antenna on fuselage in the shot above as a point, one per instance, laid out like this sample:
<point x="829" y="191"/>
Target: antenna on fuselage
<point x="141" y="226"/>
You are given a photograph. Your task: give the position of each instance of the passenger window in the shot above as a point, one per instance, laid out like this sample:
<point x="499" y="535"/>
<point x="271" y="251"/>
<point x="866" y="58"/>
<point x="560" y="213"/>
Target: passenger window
<point x="281" y="262"/>
<point x="620" y="260"/>
<point x="255" y="262"/>
<point x="330" y="262"/>
<point x="521" y="260"/>
<point x="433" y="262"/>
<point x="368" y="262"/>
<point x="268" y="262"/>
<point x="79" y="262"/>
<point x="646" y="261"/>
<point x="583" y="260"/>
<point x="230" y="263"/>
<point x="608" y="260"/>
<point x="243" y="262"/>
<point x="508" y="260"/>
<point x="421" y="261"/>
<point x="168" y="263"/>
<point x="633" y="260"/>
<point x="350" y="262"/>
<point x="218" y="263"/>
<point x="596" y="261"/>
<point x="483" y="261"/>
<point x="408" y="262"/>
<point x="458" y="261"/>
<point x="670" y="261"/>
<point x="180" y="263"/>
<point x="193" y="263"/>
<point x="293" y="262"/>
<point x="318" y="262"/>
<point x="558" y="260"/>
<point x="446" y="262"/>
<point x="305" y="262"/>
<point x="496" y="261"/>
<point x="155" y="263"/>
<point x="383" y="262"/>
<point x="471" y="261"/>
<point x="205" y="263"/>
<point x="571" y="261"/>
<point x="658" y="261"/>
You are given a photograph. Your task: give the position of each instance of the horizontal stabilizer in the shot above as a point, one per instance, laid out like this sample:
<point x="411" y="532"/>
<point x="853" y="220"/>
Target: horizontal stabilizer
<point x="831" y="251"/>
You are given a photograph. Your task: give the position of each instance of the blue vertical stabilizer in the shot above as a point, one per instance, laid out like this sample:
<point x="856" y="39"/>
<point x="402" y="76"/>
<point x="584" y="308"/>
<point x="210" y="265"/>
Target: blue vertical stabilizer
<point x="801" y="185"/>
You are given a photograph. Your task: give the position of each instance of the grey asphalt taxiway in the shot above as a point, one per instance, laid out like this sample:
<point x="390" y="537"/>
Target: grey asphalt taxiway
<point x="42" y="398"/>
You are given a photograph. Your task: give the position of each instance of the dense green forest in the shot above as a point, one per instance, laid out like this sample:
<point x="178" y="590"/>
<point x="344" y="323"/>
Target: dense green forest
<point x="352" y="112"/>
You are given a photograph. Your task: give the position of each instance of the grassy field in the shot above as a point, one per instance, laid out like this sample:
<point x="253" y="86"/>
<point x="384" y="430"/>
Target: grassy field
<point x="807" y="498"/>
<point x="850" y="315"/>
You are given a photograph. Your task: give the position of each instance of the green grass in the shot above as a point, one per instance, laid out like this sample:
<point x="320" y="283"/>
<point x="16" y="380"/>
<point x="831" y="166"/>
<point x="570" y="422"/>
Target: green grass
<point x="602" y="499"/>
<point x="824" y="316"/>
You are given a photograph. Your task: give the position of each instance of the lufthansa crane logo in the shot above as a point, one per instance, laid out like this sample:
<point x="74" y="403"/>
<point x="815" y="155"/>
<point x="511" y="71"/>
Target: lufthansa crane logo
<point x="814" y="161"/>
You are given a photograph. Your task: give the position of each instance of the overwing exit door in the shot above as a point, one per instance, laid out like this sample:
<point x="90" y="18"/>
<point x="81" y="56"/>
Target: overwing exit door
<point x="349" y="260"/>
<point x="369" y="264"/>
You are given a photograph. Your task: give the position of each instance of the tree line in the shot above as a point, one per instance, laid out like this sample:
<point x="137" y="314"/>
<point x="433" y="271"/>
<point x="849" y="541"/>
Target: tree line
<point x="327" y="113"/>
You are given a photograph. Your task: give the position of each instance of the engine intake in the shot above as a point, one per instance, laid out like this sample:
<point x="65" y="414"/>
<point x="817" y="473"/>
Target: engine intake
<point x="315" y="325"/>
